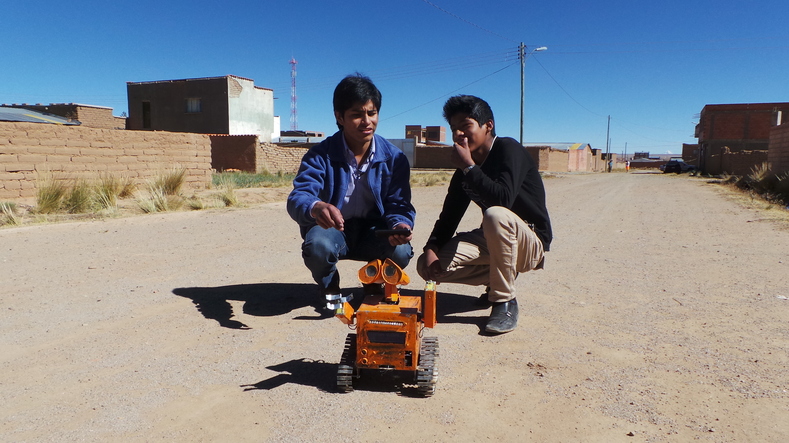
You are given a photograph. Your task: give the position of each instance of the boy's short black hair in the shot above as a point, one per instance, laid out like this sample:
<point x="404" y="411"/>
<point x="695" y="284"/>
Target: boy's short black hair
<point x="353" y="89"/>
<point x="475" y="107"/>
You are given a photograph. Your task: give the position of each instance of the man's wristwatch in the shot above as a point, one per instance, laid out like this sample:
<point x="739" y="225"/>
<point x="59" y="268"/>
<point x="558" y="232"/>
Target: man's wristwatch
<point x="468" y="168"/>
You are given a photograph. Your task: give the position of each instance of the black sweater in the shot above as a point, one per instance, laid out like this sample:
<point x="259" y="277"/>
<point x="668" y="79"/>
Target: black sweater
<point x="508" y="177"/>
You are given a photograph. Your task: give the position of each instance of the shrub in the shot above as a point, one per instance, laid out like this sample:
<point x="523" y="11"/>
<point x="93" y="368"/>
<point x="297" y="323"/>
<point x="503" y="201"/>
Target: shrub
<point x="49" y="197"/>
<point x="170" y="182"/>
<point x="227" y="187"/>
<point x="108" y="190"/>
<point x="78" y="198"/>
<point x="8" y="214"/>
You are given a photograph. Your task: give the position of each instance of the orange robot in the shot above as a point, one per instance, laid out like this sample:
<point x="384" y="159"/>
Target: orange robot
<point x="389" y="330"/>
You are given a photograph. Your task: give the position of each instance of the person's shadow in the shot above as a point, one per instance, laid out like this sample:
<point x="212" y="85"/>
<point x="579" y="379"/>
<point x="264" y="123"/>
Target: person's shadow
<point x="270" y="299"/>
<point x="261" y="299"/>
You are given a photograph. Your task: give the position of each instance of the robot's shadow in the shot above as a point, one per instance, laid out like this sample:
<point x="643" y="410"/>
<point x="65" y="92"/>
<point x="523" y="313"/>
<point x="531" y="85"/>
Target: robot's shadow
<point x="271" y="299"/>
<point x="322" y="376"/>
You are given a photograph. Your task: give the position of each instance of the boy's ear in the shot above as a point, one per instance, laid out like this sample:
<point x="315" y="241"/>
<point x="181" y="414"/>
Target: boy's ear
<point x="338" y="117"/>
<point x="490" y="125"/>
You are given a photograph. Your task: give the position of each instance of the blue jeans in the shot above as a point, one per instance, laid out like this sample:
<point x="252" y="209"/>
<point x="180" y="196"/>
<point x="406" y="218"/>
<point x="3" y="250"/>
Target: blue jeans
<point x="323" y="248"/>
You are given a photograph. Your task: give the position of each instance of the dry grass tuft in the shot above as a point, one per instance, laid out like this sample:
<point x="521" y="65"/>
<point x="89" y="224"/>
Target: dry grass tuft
<point x="79" y="197"/>
<point x="49" y="197"/>
<point x="8" y="214"/>
<point x="227" y="191"/>
<point x="426" y="179"/>
<point x="171" y="181"/>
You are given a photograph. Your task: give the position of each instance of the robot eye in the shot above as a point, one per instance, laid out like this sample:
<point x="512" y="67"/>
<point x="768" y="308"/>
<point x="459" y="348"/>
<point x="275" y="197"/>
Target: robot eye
<point x="371" y="271"/>
<point x="390" y="271"/>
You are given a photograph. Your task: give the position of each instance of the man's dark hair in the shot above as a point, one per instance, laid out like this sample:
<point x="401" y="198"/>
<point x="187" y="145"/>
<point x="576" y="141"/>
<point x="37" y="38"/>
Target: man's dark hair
<point x="475" y="107"/>
<point x="353" y="89"/>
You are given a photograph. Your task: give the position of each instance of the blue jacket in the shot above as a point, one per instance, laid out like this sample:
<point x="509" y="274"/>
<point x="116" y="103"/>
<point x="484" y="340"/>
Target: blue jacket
<point x="324" y="175"/>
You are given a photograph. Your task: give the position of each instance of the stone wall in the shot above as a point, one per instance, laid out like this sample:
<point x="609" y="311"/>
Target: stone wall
<point x="33" y="151"/>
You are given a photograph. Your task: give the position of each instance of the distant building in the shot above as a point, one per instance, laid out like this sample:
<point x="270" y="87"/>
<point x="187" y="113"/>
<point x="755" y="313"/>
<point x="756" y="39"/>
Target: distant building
<point x="425" y="134"/>
<point x="86" y="115"/>
<point x="734" y="131"/>
<point x="301" y="137"/>
<point x="228" y="105"/>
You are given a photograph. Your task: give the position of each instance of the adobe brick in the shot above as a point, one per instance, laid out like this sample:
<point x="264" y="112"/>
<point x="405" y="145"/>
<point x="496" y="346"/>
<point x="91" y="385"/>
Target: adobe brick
<point x="58" y="158"/>
<point x="13" y="185"/>
<point x="42" y="149"/>
<point x="9" y="193"/>
<point x="95" y="151"/>
<point x="77" y="143"/>
<point x="32" y="158"/>
<point x="52" y="142"/>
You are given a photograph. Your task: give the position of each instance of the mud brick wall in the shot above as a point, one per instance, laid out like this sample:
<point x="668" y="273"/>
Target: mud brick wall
<point x="273" y="158"/>
<point x="778" y="154"/>
<point x="33" y="151"/>
<point x="549" y="159"/>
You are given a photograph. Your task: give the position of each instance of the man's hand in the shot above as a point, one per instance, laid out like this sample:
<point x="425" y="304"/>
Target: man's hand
<point x="327" y="216"/>
<point x="433" y="266"/>
<point x="461" y="155"/>
<point x="395" y="240"/>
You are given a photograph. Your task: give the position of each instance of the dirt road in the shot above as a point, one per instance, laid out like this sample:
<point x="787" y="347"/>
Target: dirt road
<point x="661" y="316"/>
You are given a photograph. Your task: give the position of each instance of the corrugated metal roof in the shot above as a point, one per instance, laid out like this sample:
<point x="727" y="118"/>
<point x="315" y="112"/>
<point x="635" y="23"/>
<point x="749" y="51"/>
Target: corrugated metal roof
<point x="29" y="116"/>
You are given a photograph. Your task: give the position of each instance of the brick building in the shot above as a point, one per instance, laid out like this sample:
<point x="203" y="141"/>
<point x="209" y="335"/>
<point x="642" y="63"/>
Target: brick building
<point x="228" y="105"/>
<point x="739" y="129"/>
<point x="425" y="134"/>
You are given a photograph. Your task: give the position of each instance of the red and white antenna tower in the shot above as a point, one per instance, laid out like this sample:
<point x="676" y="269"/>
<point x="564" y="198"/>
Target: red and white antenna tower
<point x="294" y="116"/>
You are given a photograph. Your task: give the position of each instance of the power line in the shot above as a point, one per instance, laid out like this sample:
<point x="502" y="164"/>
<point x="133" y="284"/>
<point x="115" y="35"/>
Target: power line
<point x="450" y="93"/>
<point x="468" y="22"/>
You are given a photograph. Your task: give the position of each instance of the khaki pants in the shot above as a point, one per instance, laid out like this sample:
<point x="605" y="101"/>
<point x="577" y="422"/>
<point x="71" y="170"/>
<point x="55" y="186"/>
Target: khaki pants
<point x="491" y="255"/>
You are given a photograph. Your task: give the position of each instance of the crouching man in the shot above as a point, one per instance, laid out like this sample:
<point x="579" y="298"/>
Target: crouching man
<point x="500" y="176"/>
<point x="347" y="187"/>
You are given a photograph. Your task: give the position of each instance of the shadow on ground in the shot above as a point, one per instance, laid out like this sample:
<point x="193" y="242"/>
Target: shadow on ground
<point x="323" y="376"/>
<point x="271" y="299"/>
<point x="262" y="299"/>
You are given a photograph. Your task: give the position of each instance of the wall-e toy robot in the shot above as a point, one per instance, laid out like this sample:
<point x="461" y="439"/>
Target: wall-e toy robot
<point x="389" y="330"/>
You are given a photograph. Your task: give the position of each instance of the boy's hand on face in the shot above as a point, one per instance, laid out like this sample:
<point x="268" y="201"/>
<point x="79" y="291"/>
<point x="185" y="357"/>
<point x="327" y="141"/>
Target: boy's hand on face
<point x="461" y="155"/>
<point x="327" y="216"/>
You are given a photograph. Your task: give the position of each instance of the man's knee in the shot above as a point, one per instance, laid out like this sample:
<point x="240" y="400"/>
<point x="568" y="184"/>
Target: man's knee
<point x="496" y="215"/>
<point x="402" y="255"/>
<point x="321" y="242"/>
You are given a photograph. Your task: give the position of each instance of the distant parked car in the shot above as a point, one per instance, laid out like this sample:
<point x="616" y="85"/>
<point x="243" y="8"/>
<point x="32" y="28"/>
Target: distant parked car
<point x="677" y="165"/>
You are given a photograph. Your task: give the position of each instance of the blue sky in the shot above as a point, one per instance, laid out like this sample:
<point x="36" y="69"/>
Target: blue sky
<point x="651" y="66"/>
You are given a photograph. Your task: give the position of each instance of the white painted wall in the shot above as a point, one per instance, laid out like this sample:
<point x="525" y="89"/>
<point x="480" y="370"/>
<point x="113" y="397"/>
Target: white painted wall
<point x="250" y="109"/>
